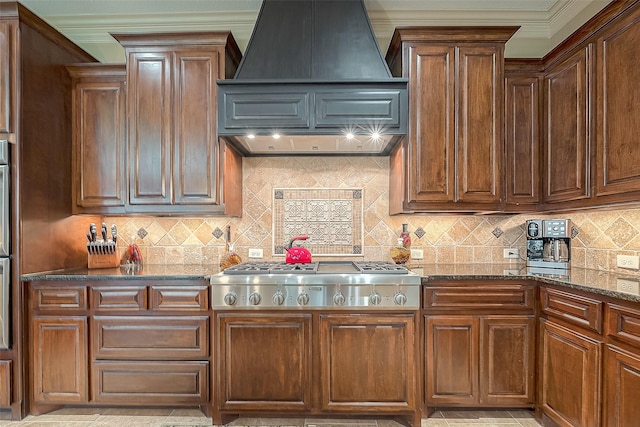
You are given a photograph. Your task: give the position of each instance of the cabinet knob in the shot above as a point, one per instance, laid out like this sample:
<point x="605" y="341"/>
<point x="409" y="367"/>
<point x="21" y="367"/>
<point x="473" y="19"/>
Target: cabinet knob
<point x="339" y="299"/>
<point x="303" y="299"/>
<point x="400" y="298"/>
<point x="255" y="298"/>
<point x="231" y="298"/>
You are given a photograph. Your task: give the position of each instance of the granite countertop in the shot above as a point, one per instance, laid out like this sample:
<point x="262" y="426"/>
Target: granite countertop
<point x="615" y="285"/>
<point x="148" y="271"/>
<point x="626" y="287"/>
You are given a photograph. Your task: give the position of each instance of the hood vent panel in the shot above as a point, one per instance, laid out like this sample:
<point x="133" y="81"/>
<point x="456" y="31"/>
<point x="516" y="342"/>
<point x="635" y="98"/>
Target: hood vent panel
<point x="313" y="68"/>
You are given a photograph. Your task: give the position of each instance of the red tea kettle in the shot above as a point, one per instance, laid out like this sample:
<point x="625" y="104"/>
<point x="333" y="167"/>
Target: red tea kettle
<point x="298" y="254"/>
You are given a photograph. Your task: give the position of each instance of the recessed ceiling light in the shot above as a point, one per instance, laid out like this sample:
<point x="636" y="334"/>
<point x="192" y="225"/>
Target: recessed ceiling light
<point x="276" y="136"/>
<point x="251" y="136"/>
<point x="350" y="135"/>
<point x="375" y="135"/>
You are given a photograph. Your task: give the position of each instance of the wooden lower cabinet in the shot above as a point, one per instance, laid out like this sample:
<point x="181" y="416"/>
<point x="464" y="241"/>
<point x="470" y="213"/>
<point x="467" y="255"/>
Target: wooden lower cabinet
<point x="118" y="343"/>
<point x="621" y="387"/>
<point x="368" y="363"/>
<point x="5" y="383"/>
<point x="60" y="359"/>
<point x="150" y="382"/>
<point x="569" y="369"/>
<point x="480" y="360"/>
<point x="264" y="362"/>
<point x="451" y="360"/>
<point x="316" y="363"/>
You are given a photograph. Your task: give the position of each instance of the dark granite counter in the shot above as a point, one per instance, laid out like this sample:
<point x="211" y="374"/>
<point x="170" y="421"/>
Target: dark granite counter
<point x="152" y="271"/>
<point x="615" y="285"/>
<point x="626" y="287"/>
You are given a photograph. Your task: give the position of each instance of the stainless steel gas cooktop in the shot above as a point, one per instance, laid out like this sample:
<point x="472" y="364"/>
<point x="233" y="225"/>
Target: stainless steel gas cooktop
<point x="324" y="284"/>
<point x="318" y="267"/>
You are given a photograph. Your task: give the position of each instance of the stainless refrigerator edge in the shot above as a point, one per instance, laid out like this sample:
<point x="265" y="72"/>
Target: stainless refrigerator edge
<point x="5" y="246"/>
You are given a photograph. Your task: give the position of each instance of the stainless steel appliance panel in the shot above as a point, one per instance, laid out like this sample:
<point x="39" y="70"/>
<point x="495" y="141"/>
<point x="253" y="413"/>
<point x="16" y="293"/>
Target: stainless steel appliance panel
<point x="5" y="277"/>
<point x="4" y="211"/>
<point x="5" y="245"/>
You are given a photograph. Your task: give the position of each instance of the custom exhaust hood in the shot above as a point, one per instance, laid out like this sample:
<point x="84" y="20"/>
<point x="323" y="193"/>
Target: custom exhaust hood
<point x="313" y="81"/>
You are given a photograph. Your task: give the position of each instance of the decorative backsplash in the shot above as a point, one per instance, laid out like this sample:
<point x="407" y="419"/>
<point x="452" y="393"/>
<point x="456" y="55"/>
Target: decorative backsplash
<point x="444" y="238"/>
<point x="332" y="218"/>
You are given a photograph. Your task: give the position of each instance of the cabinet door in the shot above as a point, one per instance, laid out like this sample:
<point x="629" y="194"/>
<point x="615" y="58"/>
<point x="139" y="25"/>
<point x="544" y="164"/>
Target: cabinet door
<point x="150" y="127"/>
<point x="59" y="359"/>
<point x="7" y="71"/>
<point x="569" y="387"/>
<point x="621" y="388"/>
<point x="196" y="171"/>
<point x="567" y="137"/>
<point x="432" y="136"/>
<point x="5" y="383"/>
<point x="618" y="127"/>
<point x="507" y="360"/>
<point x="479" y="125"/>
<point x="264" y="362"/>
<point x="523" y="142"/>
<point x="99" y="144"/>
<point x="367" y="361"/>
<point x="451" y="360"/>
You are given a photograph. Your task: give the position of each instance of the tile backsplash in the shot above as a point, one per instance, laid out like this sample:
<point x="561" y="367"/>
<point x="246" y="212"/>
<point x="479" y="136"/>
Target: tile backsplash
<point x="444" y="238"/>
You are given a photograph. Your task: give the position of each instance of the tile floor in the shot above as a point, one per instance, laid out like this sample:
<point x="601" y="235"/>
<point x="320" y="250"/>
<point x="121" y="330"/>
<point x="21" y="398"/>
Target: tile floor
<point x="152" y="417"/>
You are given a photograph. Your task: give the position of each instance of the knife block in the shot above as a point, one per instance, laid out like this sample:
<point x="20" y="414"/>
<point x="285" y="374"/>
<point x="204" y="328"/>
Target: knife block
<point x="103" y="260"/>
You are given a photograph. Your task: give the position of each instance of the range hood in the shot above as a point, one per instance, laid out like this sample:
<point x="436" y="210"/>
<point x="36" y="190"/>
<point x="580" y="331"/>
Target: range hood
<point x="313" y="81"/>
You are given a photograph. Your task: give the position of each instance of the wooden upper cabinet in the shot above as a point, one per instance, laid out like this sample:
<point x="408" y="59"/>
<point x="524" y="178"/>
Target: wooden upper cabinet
<point x="567" y="140"/>
<point x="618" y="103"/>
<point x="452" y="157"/>
<point x="479" y="125"/>
<point x="150" y="126"/>
<point x="432" y="137"/>
<point x="523" y="83"/>
<point x="175" y="157"/>
<point x="99" y="141"/>
<point x="196" y="153"/>
<point x="6" y="76"/>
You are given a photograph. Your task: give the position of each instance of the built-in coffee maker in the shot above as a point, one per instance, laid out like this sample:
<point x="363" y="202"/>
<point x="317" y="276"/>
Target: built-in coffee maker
<point x="549" y="244"/>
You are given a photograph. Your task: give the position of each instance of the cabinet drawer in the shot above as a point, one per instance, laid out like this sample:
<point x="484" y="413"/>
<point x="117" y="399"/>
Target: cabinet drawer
<point x="129" y="298"/>
<point x="170" y="298"/>
<point x="623" y="323"/>
<point x="153" y="383"/>
<point x="50" y="298"/>
<point x="5" y="383"/>
<point x="150" y="338"/>
<point x="576" y="309"/>
<point x="503" y="297"/>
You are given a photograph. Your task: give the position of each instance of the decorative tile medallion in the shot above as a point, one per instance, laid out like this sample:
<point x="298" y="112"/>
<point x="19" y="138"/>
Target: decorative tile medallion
<point x="217" y="233"/>
<point x="142" y="233"/>
<point x="332" y="218"/>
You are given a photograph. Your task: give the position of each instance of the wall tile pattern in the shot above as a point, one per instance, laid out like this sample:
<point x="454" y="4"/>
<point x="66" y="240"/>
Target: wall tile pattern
<point x="444" y="238"/>
<point x="332" y="218"/>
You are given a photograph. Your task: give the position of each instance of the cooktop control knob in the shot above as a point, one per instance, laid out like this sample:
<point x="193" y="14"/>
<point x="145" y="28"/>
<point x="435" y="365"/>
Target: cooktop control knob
<point x="231" y="298"/>
<point x="255" y="298"/>
<point x="339" y="299"/>
<point x="278" y="298"/>
<point x="375" y="298"/>
<point x="303" y="299"/>
<point x="400" y="298"/>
